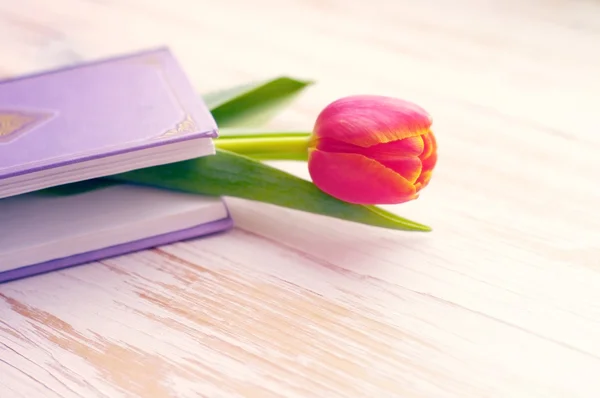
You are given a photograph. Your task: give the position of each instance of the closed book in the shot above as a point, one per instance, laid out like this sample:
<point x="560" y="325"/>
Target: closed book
<point x="64" y="127"/>
<point x="98" y="119"/>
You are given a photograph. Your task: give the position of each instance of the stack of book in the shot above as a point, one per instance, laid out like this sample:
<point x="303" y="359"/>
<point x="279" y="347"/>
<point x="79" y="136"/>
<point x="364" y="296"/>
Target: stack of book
<point x="93" y="120"/>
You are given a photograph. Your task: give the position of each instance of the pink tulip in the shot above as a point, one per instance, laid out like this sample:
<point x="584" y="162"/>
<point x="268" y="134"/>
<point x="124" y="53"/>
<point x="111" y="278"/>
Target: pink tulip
<point x="372" y="150"/>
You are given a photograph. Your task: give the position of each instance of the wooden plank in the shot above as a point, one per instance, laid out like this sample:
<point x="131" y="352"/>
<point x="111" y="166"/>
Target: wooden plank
<point x="499" y="301"/>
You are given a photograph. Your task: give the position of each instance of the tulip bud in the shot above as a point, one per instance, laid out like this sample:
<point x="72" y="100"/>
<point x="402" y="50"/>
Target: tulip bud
<point x="372" y="150"/>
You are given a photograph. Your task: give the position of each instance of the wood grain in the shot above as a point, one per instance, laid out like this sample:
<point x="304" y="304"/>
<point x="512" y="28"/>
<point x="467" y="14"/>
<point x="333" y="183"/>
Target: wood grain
<point x="501" y="300"/>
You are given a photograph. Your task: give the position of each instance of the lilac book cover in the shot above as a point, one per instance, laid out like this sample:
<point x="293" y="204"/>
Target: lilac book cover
<point x="97" y="109"/>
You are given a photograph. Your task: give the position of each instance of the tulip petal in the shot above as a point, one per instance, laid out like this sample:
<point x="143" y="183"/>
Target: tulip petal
<point x="430" y="145"/>
<point x="368" y="120"/>
<point x="400" y="156"/>
<point x="428" y="159"/>
<point x="409" y="168"/>
<point x="425" y="177"/>
<point x="412" y="146"/>
<point x="357" y="179"/>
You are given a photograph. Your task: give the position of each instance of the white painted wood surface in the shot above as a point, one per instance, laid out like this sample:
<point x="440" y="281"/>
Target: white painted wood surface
<point x="501" y="300"/>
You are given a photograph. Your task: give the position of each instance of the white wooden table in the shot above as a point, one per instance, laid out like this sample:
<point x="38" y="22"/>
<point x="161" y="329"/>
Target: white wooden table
<point x="502" y="299"/>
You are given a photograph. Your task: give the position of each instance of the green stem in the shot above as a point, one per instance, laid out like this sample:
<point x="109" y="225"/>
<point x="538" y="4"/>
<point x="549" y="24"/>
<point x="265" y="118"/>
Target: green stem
<point x="234" y="133"/>
<point x="268" y="147"/>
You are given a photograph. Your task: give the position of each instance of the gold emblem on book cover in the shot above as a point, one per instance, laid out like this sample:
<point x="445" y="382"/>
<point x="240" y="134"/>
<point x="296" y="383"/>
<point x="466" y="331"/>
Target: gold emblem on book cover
<point x="13" y="123"/>
<point x="187" y="125"/>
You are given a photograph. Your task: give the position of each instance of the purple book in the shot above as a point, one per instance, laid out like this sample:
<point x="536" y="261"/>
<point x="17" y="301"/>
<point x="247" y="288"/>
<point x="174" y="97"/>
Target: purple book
<point x="98" y="119"/>
<point x="93" y="120"/>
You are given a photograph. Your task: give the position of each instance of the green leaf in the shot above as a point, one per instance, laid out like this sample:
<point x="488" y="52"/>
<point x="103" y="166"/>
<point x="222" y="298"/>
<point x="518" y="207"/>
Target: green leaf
<point x="218" y="98"/>
<point x="229" y="174"/>
<point x="252" y="105"/>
